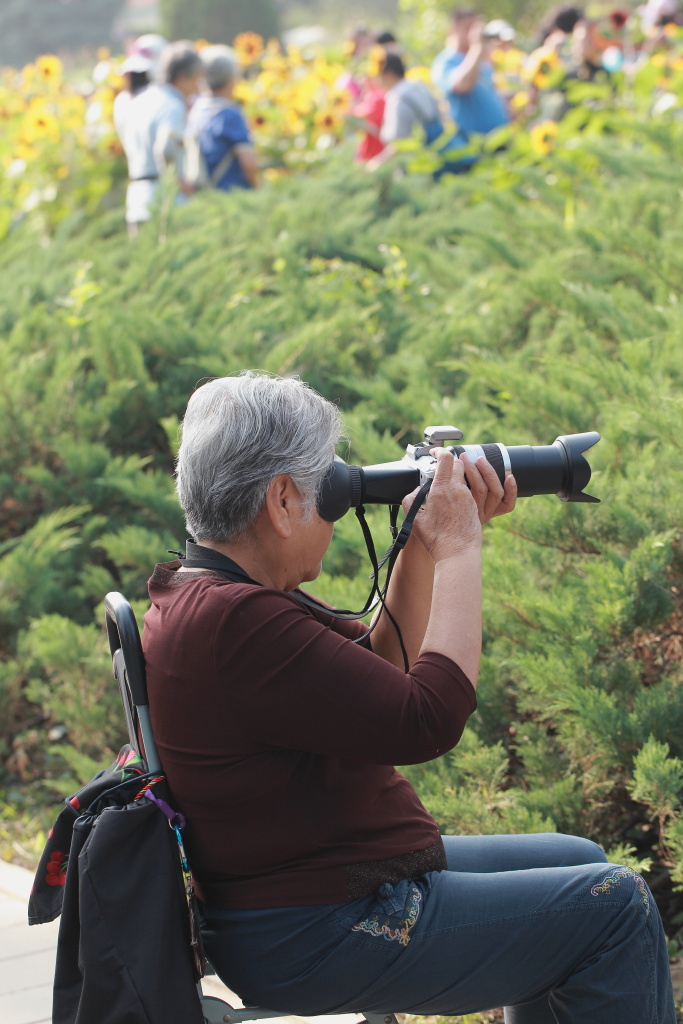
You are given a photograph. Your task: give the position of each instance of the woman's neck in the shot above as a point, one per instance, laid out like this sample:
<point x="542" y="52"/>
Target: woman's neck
<point x="253" y="559"/>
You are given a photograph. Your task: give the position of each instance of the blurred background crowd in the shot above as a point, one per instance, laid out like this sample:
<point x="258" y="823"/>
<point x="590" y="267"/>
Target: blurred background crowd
<point x="208" y="115"/>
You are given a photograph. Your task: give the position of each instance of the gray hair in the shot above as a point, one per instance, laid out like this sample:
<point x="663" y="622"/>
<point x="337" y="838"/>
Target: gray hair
<point x="178" y="59"/>
<point x="238" y="434"/>
<point x="221" y="65"/>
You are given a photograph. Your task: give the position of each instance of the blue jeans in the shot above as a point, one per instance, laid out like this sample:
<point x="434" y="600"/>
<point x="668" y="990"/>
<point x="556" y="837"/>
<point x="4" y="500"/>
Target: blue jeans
<point x="540" y="924"/>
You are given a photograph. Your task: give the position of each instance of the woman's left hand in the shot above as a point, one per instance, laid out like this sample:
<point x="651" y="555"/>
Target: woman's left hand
<point x="492" y="498"/>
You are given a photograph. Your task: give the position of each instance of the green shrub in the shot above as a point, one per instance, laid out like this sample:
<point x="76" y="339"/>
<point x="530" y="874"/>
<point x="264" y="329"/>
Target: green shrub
<point x="408" y="305"/>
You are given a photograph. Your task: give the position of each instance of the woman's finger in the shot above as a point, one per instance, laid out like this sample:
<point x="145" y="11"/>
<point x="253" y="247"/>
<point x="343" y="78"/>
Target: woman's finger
<point x="476" y="484"/>
<point x="510" y="497"/>
<point x="495" y="489"/>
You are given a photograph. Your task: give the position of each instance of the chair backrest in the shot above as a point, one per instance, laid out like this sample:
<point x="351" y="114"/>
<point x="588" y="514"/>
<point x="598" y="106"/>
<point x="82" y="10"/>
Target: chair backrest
<point x="129" y="671"/>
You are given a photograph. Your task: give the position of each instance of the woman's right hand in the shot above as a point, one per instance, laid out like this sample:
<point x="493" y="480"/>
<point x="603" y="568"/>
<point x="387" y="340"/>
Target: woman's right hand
<point x="448" y="524"/>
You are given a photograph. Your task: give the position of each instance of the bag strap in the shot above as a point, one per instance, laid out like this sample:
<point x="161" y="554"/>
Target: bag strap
<point x="221" y="167"/>
<point x="225" y="161"/>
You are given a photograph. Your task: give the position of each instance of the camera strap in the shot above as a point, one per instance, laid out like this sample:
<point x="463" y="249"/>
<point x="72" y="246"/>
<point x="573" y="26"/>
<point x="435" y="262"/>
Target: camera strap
<point x="198" y="556"/>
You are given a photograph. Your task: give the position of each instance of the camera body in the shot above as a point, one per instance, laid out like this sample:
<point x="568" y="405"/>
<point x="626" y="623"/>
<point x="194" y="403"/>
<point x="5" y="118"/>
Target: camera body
<point x="559" y="468"/>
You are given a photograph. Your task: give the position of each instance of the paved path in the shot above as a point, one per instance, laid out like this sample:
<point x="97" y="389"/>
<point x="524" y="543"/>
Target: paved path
<point x="27" y="955"/>
<point x="27" y="961"/>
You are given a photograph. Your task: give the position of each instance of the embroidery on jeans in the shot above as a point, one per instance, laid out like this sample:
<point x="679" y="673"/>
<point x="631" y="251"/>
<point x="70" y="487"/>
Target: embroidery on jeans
<point x="401" y="933"/>
<point x="616" y="878"/>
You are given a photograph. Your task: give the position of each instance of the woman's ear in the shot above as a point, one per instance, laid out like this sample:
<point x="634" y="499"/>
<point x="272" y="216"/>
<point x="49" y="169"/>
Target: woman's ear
<point x="281" y="504"/>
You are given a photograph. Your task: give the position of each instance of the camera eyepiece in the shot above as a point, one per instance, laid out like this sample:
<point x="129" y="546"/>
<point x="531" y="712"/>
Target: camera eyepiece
<point x="559" y="468"/>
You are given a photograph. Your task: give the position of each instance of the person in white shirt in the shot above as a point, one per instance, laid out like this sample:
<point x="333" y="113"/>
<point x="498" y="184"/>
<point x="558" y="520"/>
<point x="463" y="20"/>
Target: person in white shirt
<point x="139" y="69"/>
<point x="154" y="129"/>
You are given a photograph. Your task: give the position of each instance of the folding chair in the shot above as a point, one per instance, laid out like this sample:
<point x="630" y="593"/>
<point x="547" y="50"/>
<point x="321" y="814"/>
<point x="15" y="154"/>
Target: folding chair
<point x="129" y="671"/>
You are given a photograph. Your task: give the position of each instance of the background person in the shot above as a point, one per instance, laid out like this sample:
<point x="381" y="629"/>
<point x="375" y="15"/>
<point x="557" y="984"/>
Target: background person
<point x="155" y="127"/>
<point x="218" y="124"/>
<point x="274" y="727"/>
<point x="463" y="73"/>
<point x="140" y="67"/>
<point x="360" y="40"/>
<point x="408" y="104"/>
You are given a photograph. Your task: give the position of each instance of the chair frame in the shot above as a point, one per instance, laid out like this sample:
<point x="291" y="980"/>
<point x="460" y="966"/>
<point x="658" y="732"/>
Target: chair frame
<point x="128" y="666"/>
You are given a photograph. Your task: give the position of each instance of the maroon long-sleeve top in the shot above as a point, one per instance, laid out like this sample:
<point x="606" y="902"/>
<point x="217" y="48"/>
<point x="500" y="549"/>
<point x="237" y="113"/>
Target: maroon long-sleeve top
<point x="278" y="736"/>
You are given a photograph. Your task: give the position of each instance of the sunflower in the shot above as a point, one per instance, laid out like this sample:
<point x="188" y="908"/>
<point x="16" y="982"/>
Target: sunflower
<point x="542" y="137"/>
<point x="49" y="69"/>
<point x="328" y="121"/>
<point x="340" y="100"/>
<point x="294" y="124"/>
<point x="511" y="60"/>
<point x="243" y="92"/>
<point x="295" y="56"/>
<point x="303" y="103"/>
<point x="326" y="72"/>
<point x="72" y="112"/>
<point x="277" y="65"/>
<point x="39" y="124"/>
<point x="419" y="74"/>
<point x="248" y="46"/>
<point x="520" y="100"/>
<point x="543" y="63"/>
<point x="25" y="151"/>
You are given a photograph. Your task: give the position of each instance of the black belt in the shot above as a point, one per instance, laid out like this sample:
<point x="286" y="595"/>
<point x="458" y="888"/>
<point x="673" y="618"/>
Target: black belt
<point x="149" y="177"/>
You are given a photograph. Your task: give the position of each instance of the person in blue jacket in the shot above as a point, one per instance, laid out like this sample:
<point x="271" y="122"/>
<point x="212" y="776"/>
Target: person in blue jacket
<point x="463" y="73"/>
<point x="219" y="125"/>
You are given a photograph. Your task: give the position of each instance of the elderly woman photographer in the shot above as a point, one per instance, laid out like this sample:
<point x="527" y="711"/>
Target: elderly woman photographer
<point x="326" y="884"/>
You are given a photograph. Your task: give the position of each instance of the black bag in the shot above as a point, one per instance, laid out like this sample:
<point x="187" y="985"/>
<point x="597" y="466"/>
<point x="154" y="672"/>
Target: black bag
<point x="111" y="867"/>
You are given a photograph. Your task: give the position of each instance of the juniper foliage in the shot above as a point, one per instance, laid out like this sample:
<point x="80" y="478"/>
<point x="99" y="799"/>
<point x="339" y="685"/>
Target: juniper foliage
<point x="408" y="305"/>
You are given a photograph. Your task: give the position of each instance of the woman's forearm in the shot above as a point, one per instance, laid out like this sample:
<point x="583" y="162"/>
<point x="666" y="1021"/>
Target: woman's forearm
<point x="454" y="627"/>
<point x="409" y="600"/>
<point x="437" y="608"/>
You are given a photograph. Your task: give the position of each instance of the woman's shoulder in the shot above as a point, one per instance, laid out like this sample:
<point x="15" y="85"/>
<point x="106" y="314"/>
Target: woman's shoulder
<point x="215" y="587"/>
<point x="221" y="599"/>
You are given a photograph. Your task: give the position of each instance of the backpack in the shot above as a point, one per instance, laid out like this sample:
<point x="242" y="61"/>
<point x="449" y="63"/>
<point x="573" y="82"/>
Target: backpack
<point x="127" y="948"/>
<point x="195" y="171"/>
<point x="432" y="127"/>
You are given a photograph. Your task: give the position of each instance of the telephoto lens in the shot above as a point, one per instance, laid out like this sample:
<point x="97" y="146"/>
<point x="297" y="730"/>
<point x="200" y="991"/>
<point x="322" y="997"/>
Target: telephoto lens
<point x="558" y="468"/>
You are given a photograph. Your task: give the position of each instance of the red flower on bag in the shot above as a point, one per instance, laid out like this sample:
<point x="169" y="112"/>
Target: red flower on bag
<point x="55" y="872"/>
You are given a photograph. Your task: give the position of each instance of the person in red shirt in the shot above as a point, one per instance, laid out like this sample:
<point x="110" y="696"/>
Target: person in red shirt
<point x="326" y="885"/>
<point x="369" y="111"/>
